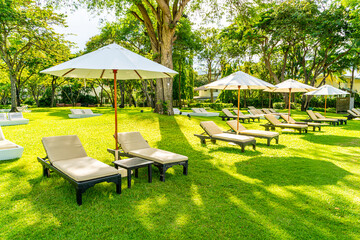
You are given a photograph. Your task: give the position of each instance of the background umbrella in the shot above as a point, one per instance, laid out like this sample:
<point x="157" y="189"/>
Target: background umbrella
<point x="291" y="86"/>
<point x="111" y="61"/>
<point x="327" y="90"/>
<point x="237" y="81"/>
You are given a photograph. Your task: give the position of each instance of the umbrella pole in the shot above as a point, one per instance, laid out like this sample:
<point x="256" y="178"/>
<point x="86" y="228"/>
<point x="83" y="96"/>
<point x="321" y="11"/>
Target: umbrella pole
<point x="325" y="106"/>
<point x="238" y="113"/>
<point x="289" y="104"/>
<point x="115" y="106"/>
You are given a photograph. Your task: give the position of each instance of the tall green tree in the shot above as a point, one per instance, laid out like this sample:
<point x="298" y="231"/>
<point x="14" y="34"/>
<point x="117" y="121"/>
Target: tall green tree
<point x="25" y="26"/>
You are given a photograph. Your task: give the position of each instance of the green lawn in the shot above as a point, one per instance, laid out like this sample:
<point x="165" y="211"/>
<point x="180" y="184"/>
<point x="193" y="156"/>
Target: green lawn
<point x="307" y="187"/>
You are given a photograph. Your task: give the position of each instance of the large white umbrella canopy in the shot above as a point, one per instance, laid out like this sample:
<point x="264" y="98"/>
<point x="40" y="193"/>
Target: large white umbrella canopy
<point x="111" y="61"/>
<point x="290" y="86"/>
<point x="237" y="81"/>
<point x="102" y="62"/>
<point x="327" y="90"/>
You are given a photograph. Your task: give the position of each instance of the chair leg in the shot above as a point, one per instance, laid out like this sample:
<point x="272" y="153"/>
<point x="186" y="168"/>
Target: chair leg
<point x="79" y="197"/>
<point x="185" y="168"/>
<point x="213" y="141"/>
<point x="242" y="148"/>
<point x="277" y="140"/>
<point x="254" y="146"/>
<point x="118" y="185"/>
<point x="162" y="174"/>
<point x="268" y="141"/>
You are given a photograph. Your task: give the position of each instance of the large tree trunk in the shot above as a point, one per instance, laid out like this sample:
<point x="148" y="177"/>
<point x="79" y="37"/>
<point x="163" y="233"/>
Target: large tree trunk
<point x="13" y="93"/>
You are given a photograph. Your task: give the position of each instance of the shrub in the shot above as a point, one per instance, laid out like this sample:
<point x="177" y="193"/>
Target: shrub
<point x="216" y="106"/>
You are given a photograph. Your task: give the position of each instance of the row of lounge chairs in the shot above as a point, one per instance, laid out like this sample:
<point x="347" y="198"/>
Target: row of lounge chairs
<point x="228" y="115"/>
<point x="67" y="157"/>
<point x="201" y="112"/>
<point x="318" y="117"/>
<point x="354" y="114"/>
<point x="12" y="118"/>
<point x="9" y="150"/>
<point x="83" y="113"/>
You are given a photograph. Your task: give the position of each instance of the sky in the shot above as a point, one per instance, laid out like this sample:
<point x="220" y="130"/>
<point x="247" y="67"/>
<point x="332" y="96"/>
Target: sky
<point x="82" y="25"/>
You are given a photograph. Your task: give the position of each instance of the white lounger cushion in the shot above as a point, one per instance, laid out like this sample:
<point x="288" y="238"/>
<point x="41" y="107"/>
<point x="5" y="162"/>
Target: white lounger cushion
<point x="233" y="137"/>
<point x="5" y="144"/>
<point x="259" y="133"/>
<point x="87" y="111"/>
<point x="3" y="117"/>
<point x="86" y="168"/>
<point x="76" y="111"/>
<point x="15" y="116"/>
<point x="158" y="155"/>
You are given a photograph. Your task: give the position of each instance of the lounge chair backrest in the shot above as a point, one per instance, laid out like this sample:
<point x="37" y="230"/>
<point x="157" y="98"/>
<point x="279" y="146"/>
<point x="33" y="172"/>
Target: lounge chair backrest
<point x="352" y="113"/>
<point x="87" y="111"/>
<point x="196" y="110"/>
<point x="233" y="125"/>
<point x="253" y="112"/>
<point x="238" y="112"/>
<point x="267" y="111"/>
<point x="60" y="148"/>
<point x="319" y="115"/>
<point x="2" y="137"/>
<point x="202" y="110"/>
<point x="16" y="115"/>
<point x="272" y="119"/>
<point x="288" y="119"/>
<point x="272" y="110"/>
<point x="356" y="111"/>
<point x="210" y="128"/>
<point x="76" y="111"/>
<point x="251" y="107"/>
<point x="3" y="116"/>
<point x="228" y="113"/>
<point x="311" y="114"/>
<point x="259" y="111"/>
<point x="130" y="141"/>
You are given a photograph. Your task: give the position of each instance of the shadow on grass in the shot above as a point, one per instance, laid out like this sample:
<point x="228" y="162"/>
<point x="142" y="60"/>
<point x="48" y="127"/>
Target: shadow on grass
<point x="292" y="171"/>
<point x="333" y="140"/>
<point x="186" y="206"/>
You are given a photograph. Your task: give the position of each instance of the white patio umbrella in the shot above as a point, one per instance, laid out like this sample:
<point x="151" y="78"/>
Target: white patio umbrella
<point x="291" y="86"/>
<point x="237" y="81"/>
<point x="111" y="61"/>
<point x="327" y="90"/>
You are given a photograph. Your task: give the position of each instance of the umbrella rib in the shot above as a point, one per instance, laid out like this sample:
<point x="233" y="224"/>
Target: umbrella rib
<point x="167" y="74"/>
<point x="138" y="74"/>
<point x="68" y="72"/>
<point x="102" y="73"/>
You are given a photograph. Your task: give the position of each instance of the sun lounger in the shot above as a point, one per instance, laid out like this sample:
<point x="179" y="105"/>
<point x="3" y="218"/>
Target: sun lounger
<point x="314" y="118"/>
<point x="13" y="119"/>
<point x="253" y="133"/>
<point x="254" y="112"/>
<point x="200" y="112"/>
<point x="228" y="115"/>
<point x="253" y="117"/>
<point x="275" y="112"/>
<point x="4" y="110"/>
<point x="67" y="157"/>
<point x="132" y="144"/>
<point x="23" y="109"/>
<point x="341" y="120"/>
<point x="290" y="120"/>
<point x="274" y="123"/>
<point x="357" y="111"/>
<point x="177" y="111"/>
<point x="352" y="115"/>
<point x="9" y="150"/>
<point x="213" y="133"/>
<point x="83" y="113"/>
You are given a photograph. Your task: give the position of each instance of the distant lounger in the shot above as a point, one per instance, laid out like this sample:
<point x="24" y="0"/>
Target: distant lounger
<point x="341" y="120"/>
<point x="12" y="118"/>
<point x="228" y="115"/>
<point x="67" y="157"/>
<point x="290" y="120"/>
<point x="352" y="115"/>
<point x="314" y="118"/>
<point x="9" y="150"/>
<point x="213" y="133"/>
<point x="253" y="133"/>
<point x="83" y="113"/>
<point x="23" y="109"/>
<point x="253" y="117"/>
<point x="274" y="123"/>
<point x="132" y="144"/>
<point x="201" y="112"/>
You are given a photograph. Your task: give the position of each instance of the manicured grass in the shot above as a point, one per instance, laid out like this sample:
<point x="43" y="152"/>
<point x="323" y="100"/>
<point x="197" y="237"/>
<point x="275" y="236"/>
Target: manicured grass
<point x="307" y="187"/>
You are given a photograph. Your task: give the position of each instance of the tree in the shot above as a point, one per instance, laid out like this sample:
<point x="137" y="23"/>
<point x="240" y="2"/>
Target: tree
<point x="24" y="27"/>
<point x="160" y="18"/>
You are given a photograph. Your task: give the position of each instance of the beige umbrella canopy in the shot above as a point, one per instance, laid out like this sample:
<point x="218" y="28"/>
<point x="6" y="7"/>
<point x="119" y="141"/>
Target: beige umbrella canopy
<point x="327" y="90"/>
<point x="237" y="81"/>
<point x="114" y="62"/>
<point x="290" y="86"/>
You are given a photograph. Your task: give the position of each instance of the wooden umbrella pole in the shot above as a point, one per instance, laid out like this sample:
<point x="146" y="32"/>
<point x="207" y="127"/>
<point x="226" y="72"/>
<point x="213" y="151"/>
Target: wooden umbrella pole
<point x="325" y="106"/>
<point x="289" y="104"/>
<point x="115" y="106"/>
<point x="237" y="129"/>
